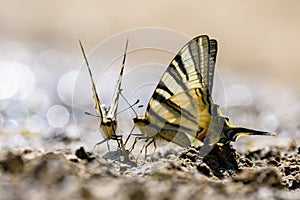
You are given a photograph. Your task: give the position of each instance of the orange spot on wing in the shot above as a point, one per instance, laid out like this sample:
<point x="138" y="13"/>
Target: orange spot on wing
<point x="202" y="134"/>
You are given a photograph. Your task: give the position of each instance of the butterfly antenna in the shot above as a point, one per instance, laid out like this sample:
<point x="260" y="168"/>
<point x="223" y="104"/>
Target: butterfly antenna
<point x="130" y="133"/>
<point x="130" y="106"/>
<point x="125" y="53"/>
<point x="90" y="114"/>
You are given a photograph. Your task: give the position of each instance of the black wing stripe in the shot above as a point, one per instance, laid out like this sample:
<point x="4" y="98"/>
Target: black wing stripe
<point x="194" y="50"/>
<point x="171" y="71"/>
<point x="204" y="46"/>
<point x="181" y="65"/>
<point x="162" y="86"/>
<point x="172" y="106"/>
<point x="163" y="121"/>
<point x="212" y="63"/>
<point x="199" y="93"/>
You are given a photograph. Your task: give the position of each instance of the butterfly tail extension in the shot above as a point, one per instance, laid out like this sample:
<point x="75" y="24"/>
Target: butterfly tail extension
<point x="234" y="132"/>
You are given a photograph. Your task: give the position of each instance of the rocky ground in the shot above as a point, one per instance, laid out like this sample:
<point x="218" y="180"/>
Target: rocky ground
<point x="269" y="173"/>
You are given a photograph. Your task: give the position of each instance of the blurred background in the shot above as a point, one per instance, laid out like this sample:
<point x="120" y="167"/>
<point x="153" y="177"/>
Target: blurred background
<point x="40" y="60"/>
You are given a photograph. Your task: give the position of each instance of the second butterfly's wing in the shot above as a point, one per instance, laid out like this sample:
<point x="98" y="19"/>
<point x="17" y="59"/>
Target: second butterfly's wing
<point x="112" y="112"/>
<point x="95" y="95"/>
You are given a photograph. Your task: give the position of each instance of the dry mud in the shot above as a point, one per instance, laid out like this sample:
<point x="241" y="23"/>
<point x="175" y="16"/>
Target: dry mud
<point x="268" y="173"/>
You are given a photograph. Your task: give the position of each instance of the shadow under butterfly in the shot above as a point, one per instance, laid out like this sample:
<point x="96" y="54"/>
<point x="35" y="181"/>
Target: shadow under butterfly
<point x="181" y="109"/>
<point x="107" y="117"/>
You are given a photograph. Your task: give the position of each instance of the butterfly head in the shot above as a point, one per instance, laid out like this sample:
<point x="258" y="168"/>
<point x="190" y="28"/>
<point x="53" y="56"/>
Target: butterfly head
<point x="141" y="121"/>
<point x="108" y="127"/>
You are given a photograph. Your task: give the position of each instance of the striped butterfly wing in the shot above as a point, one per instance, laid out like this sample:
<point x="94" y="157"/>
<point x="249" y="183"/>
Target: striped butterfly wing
<point x="209" y="74"/>
<point x="182" y="98"/>
<point x="112" y="112"/>
<point x="108" y="124"/>
<point x="182" y="108"/>
<point x="94" y="90"/>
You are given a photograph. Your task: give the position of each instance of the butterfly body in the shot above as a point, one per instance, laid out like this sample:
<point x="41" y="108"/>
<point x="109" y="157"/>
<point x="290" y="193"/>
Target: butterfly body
<point x="108" y="128"/>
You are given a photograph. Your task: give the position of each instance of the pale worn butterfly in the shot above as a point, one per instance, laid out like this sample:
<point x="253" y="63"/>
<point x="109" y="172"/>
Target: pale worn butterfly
<point x="107" y="117"/>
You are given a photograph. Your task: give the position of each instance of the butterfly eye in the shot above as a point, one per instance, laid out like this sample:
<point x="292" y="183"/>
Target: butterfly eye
<point x="141" y="121"/>
<point x="108" y="123"/>
<point x="135" y="120"/>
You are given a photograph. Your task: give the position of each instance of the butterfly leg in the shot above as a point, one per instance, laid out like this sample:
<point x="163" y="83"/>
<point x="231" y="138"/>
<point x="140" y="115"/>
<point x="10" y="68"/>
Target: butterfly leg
<point x="106" y="140"/>
<point x="134" y="143"/>
<point x="108" y="147"/>
<point x="137" y="138"/>
<point x="129" y="135"/>
<point x="146" y="147"/>
<point x="120" y="142"/>
<point x="154" y="144"/>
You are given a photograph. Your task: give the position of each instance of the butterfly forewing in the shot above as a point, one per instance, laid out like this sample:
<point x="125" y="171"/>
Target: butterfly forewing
<point x="112" y="112"/>
<point x="94" y="90"/>
<point x="181" y="98"/>
<point x="209" y="77"/>
<point x="184" y="72"/>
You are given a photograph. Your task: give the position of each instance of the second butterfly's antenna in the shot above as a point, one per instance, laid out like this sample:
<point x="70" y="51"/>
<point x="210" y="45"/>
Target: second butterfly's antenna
<point x="130" y="106"/>
<point x="124" y="57"/>
<point x="90" y="114"/>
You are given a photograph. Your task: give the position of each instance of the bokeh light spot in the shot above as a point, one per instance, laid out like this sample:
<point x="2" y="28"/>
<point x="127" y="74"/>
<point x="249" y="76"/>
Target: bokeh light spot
<point x="66" y="85"/>
<point x="269" y="122"/>
<point x="58" y="116"/>
<point x="16" y="80"/>
<point x="9" y="82"/>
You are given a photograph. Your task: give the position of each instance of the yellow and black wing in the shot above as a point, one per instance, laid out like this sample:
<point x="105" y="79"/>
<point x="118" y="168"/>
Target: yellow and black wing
<point x="209" y="76"/>
<point x="108" y="122"/>
<point x="181" y="108"/>
<point x="95" y="95"/>
<point x="181" y="101"/>
<point x="112" y="112"/>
